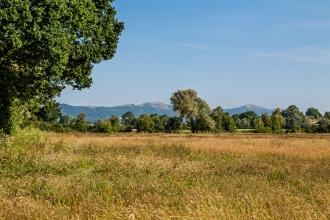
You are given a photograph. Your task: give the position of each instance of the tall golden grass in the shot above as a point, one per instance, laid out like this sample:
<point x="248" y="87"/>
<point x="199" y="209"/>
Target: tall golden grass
<point x="166" y="176"/>
<point x="302" y="145"/>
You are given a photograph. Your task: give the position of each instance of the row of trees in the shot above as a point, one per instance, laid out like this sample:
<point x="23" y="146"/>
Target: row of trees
<point x="193" y="114"/>
<point x="197" y="112"/>
<point x="288" y="120"/>
<point x="144" y="123"/>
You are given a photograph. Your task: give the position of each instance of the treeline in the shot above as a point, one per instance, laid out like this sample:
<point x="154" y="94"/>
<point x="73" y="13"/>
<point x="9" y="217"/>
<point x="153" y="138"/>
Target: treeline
<point x="128" y="122"/>
<point x="193" y="114"/>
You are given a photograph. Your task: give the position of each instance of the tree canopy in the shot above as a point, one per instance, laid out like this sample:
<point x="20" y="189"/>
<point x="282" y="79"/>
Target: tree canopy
<point x="188" y="105"/>
<point x="313" y="113"/>
<point x="294" y="118"/>
<point x="46" y="45"/>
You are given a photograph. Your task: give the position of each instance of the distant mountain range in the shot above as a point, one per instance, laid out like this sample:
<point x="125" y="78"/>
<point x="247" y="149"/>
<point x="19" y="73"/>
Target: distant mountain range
<point x="94" y="113"/>
<point x="101" y="112"/>
<point x="250" y="107"/>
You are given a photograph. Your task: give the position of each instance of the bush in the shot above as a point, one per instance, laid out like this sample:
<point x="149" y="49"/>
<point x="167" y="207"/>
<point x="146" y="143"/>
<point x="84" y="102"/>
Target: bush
<point x="296" y="129"/>
<point x="265" y="130"/>
<point x="103" y="126"/>
<point x="312" y="129"/>
<point x="145" y="123"/>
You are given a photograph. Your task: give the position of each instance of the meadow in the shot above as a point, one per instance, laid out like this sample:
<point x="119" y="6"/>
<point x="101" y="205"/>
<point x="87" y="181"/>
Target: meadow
<point x="165" y="176"/>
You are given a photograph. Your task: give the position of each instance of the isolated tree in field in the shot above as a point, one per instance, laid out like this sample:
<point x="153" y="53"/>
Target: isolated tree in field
<point x="46" y="45"/>
<point x="313" y="113"/>
<point x="185" y="103"/>
<point x="188" y="105"/>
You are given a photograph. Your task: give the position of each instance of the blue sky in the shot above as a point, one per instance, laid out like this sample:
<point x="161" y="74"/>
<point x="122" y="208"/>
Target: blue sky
<point x="269" y="53"/>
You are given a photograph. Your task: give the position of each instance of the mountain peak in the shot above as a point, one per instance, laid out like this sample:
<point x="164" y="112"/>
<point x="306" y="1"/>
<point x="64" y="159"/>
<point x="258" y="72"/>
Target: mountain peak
<point x="249" y="107"/>
<point x="253" y="106"/>
<point x="156" y="105"/>
<point x="95" y="113"/>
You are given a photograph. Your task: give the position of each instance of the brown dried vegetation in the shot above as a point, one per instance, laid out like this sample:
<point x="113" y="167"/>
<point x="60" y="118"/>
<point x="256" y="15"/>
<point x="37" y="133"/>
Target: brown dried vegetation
<point x="167" y="176"/>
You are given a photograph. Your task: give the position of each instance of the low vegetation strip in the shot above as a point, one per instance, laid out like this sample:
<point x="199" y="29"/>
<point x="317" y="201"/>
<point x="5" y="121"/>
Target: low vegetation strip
<point x="166" y="176"/>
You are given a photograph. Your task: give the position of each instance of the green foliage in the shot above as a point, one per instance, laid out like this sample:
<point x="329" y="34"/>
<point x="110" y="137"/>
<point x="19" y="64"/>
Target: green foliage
<point x="103" y="126"/>
<point x="313" y="129"/>
<point x="327" y="115"/>
<point x="247" y="119"/>
<point x="115" y="123"/>
<point x="145" y="123"/>
<point x="217" y="115"/>
<point x="259" y="125"/>
<point x="203" y="123"/>
<point x="296" y="129"/>
<point x="185" y="103"/>
<point x="188" y="105"/>
<point x="313" y="113"/>
<point x="54" y="127"/>
<point x="228" y="123"/>
<point x="66" y="119"/>
<point x="17" y="115"/>
<point x="160" y="122"/>
<point x="45" y="45"/>
<point x="324" y="126"/>
<point x="294" y="118"/>
<point x="80" y="123"/>
<point x="266" y="120"/>
<point x="245" y="124"/>
<point x="174" y="125"/>
<point x="129" y="120"/>
<point x="6" y="121"/>
<point x="49" y="111"/>
<point x="277" y="120"/>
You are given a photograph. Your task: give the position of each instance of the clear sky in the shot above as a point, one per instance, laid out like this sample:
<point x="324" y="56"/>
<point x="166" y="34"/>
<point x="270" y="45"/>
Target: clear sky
<point x="270" y="53"/>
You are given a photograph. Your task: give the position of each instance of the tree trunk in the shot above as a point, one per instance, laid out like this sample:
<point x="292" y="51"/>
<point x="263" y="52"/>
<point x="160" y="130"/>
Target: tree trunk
<point x="6" y="124"/>
<point x="193" y="126"/>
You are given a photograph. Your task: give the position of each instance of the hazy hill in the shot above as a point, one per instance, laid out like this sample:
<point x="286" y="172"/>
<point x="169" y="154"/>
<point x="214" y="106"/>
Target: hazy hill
<point x="257" y="109"/>
<point x="95" y="113"/>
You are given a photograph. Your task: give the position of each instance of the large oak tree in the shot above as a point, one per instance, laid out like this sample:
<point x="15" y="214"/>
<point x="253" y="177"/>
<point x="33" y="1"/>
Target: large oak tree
<point x="46" y="45"/>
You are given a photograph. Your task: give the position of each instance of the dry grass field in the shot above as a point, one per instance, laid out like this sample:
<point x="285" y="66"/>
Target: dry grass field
<point x="165" y="176"/>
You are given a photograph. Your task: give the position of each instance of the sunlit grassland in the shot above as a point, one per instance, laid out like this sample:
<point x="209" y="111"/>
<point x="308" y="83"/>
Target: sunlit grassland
<point x="165" y="176"/>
